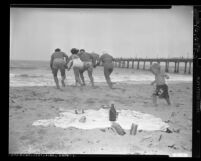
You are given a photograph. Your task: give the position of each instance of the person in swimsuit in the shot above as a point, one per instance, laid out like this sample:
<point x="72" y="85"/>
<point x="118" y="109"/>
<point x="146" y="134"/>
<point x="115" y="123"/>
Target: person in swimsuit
<point x="58" y="62"/>
<point x="89" y="63"/>
<point x="77" y="64"/>
<point x="161" y="87"/>
<point x="96" y="58"/>
<point x="107" y="61"/>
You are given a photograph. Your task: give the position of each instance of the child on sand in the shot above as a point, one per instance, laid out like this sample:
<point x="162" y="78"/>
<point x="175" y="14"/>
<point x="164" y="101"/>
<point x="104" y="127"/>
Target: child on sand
<point x="161" y="86"/>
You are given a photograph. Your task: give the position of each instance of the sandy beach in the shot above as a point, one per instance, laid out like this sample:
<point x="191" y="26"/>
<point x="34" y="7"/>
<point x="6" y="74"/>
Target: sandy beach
<point x="28" y="104"/>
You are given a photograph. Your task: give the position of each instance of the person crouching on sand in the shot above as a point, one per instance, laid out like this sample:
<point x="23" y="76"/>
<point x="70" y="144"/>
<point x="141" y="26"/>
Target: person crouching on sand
<point x="161" y="87"/>
<point x="77" y="65"/>
<point x="107" y="61"/>
<point x="57" y="62"/>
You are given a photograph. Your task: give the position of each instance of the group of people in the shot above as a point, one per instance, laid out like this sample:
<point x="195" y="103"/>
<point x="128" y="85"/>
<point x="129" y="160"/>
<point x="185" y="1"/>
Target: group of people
<point x="82" y="61"/>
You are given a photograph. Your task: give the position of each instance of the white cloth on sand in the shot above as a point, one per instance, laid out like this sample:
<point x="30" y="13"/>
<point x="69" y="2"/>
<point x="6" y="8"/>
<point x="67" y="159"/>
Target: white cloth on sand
<point x="100" y="119"/>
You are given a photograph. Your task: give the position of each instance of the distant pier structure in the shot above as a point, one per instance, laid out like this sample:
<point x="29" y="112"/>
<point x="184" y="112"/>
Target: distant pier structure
<point x="175" y="64"/>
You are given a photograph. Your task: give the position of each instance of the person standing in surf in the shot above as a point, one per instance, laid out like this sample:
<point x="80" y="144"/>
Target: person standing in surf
<point x="107" y="61"/>
<point x="58" y="62"/>
<point x="89" y="63"/>
<point x="77" y="64"/>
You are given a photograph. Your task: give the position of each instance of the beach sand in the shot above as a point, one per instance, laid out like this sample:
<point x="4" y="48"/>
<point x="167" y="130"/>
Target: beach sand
<point x="28" y="104"/>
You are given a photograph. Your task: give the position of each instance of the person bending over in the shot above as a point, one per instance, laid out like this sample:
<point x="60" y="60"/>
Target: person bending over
<point x="107" y="61"/>
<point x="89" y="63"/>
<point x="58" y="62"/>
<point x="95" y="58"/>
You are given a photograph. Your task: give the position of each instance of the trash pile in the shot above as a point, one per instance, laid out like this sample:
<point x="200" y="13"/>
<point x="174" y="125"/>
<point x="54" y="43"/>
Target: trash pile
<point x="118" y="120"/>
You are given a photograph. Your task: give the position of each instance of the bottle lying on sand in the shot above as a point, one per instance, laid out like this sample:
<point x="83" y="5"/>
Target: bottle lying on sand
<point x="118" y="128"/>
<point x="112" y="113"/>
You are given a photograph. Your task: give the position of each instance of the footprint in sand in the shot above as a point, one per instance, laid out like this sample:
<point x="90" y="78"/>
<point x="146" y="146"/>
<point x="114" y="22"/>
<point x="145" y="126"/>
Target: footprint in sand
<point x="90" y="101"/>
<point x="42" y="131"/>
<point x="29" y="139"/>
<point x="17" y="107"/>
<point x="58" y="99"/>
<point x="134" y="149"/>
<point x="104" y="101"/>
<point x="123" y="90"/>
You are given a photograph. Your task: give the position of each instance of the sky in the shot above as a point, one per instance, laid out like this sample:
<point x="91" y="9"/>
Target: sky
<point x="151" y="33"/>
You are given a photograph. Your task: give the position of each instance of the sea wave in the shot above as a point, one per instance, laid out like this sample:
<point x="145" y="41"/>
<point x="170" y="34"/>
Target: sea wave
<point x="43" y="77"/>
<point x="25" y="76"/>
<point x="25" y="68"/>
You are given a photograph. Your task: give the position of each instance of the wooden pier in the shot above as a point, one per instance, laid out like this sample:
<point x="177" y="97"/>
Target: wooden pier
<point x="130" y="63"/>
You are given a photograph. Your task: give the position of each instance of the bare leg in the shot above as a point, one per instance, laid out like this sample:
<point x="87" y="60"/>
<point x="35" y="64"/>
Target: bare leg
<point x="57" y="82"/>
<point x="63" y="75"/>
<point x="76" y="83"/>
<point x="91" y="77"/>
<point x="77" y="76"/>
<point x="154" y="98"/>
<point x="62" y="81"/>
<point x="168" y="101"/>
<point x="82" y="77"/>
<point x="107" y="73"/>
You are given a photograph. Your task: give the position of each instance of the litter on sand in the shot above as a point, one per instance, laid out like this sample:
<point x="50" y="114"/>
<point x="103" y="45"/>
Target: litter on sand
<point x="118" y="128"/>
<point x="100" y="119"/>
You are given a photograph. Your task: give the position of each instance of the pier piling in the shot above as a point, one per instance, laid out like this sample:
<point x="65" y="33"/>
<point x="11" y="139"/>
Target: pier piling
<point x="132" y="63"/>
<point x="144" y="65"/>
<point x="125" y="63"/>
<point x="185" y="67"/>
<point x="189" y="68"/>
<point x="138" y="64"/>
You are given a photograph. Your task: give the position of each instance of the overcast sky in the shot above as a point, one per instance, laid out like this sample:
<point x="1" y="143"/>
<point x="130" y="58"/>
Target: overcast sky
<point x="35" y="33"/>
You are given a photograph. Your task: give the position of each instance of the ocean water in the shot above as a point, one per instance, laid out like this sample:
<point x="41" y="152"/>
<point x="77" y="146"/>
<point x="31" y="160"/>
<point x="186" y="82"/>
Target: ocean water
<point x="38" y="73"/>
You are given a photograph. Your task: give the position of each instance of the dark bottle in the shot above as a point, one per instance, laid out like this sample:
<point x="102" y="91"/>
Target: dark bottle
<point x="112" y="113"/>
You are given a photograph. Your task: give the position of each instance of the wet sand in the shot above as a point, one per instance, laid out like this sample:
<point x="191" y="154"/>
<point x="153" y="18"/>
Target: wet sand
<point x="28" y="104"/>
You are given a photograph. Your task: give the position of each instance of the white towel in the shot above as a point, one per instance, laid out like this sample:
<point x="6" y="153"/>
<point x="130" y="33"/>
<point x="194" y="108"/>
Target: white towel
<point x="100" y="119"/>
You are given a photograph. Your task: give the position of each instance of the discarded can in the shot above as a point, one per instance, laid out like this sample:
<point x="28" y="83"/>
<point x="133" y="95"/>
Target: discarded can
<point x="118" y="128"/>
<point x="112" y="113"/>
<point x="79" y="111"/>
<point x="133" y="130"/>
<point x="83" y="119"/>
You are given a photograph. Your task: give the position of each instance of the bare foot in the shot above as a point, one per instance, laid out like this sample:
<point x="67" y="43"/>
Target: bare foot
<point x="95" y="87"/>
<point x="63" y="84"/>
<point x="111" y="86"/>
<point x="155" y="104"/>
<point x="58" y="87"/>
<point x="168" y="101"/>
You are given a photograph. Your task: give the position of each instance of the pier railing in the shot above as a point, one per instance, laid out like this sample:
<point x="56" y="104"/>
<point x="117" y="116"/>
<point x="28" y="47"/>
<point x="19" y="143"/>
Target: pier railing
<point x="130" y="63"/>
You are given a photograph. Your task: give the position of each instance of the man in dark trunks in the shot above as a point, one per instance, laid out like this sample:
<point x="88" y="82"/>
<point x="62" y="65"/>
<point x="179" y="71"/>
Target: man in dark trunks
<point x="107" y="61"/>
<point x="89" y="63"/>
<point x="58" y="62"/>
